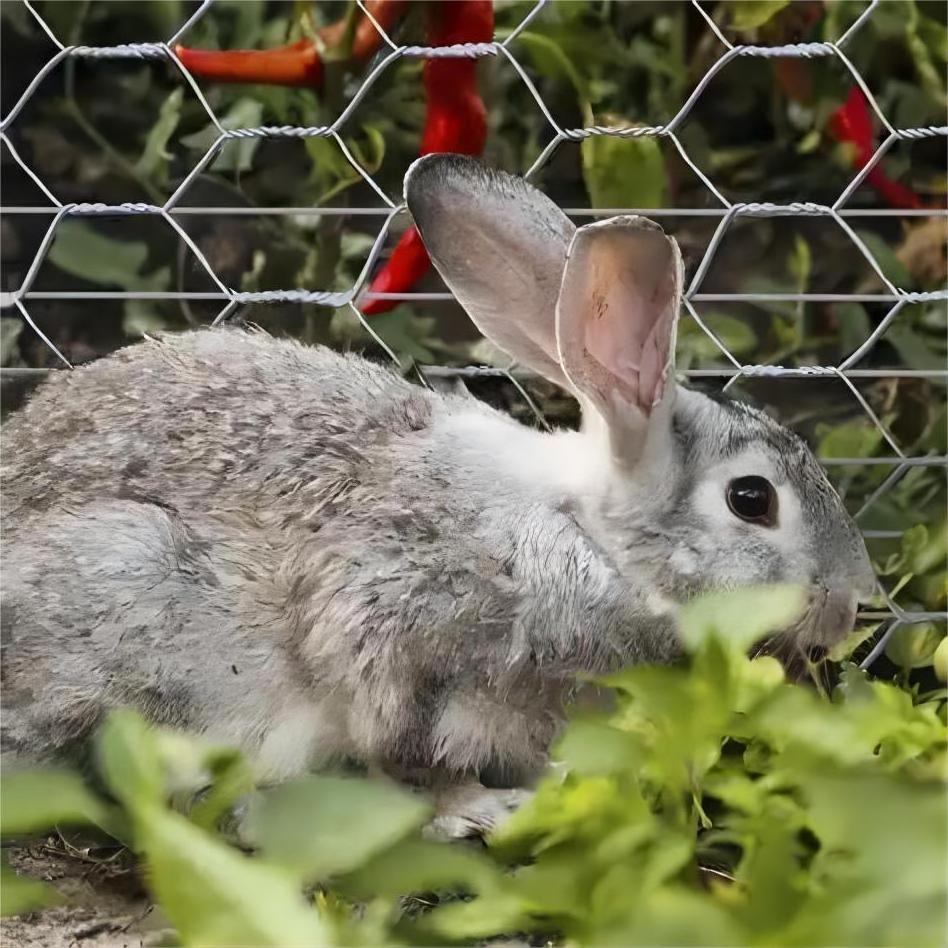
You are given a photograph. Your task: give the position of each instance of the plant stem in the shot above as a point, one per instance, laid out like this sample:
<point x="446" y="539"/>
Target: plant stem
<point x="119" y="161"/>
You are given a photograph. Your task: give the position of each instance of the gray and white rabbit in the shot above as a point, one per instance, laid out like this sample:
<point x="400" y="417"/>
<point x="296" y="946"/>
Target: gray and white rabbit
<point x="301" y="553"/>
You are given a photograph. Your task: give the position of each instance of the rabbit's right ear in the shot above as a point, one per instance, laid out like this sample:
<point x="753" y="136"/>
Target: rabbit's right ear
<point x="500" y="245"/>
<point x="617" y="316"/>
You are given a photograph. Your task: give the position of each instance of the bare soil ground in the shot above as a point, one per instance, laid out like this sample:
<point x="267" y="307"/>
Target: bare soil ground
<point x="104" y="905"/>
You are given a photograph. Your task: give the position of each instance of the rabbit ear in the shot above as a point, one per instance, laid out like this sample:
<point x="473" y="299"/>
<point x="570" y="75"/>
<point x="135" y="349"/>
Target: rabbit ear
<point x="615" y="321"/>
<point x="500" y="246"/>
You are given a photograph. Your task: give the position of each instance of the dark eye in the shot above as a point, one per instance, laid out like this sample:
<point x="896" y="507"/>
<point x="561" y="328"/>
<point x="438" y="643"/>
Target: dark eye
<point x="753" y="499"/>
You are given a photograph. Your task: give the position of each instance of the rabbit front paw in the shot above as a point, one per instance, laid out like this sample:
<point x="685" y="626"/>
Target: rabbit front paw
<point x="472" y="810"/>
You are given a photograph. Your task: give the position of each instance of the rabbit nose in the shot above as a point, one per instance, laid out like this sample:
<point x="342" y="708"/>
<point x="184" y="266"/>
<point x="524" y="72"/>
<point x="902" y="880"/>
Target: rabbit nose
<point x="864" y="580"/>
<point x="838" y="614"/>
<point x="855" y="573"/>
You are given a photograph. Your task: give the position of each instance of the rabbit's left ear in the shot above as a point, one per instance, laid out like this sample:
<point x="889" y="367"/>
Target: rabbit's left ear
<point x="616" y="321"/>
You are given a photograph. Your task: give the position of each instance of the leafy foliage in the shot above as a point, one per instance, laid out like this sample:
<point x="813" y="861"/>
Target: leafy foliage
<point x="714" y="803"/>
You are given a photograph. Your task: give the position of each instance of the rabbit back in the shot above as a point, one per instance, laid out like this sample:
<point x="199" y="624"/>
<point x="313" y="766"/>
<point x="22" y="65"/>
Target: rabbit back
<point x="189" y="415"/>
<point x="152" y="504"/>
<point x="298" y="552"/>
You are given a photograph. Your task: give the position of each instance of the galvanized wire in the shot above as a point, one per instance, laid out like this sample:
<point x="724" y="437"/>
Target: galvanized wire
<point x="389" y="209"/>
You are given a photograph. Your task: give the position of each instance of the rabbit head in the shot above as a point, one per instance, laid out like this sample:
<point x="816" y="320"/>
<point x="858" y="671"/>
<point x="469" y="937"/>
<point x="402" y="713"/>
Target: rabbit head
<point x="684" y="491"/>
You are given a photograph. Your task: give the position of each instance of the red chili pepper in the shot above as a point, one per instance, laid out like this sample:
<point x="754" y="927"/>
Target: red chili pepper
<point x="456" y="122"/>
<point x="408" y="263"/>
<point x="456" y="119"/>
<point x="852" y="123"/>
<point x="298" y="64"/>
<point x="367" y="38"/>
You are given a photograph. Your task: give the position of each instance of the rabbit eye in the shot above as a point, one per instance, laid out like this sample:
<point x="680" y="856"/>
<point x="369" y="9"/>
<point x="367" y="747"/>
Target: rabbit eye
<point x="753" y="499"/>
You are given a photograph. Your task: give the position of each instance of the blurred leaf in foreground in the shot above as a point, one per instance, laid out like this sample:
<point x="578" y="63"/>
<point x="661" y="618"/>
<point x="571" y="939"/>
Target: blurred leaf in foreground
<point x="19" y="894"/>
<point x="216" y="896"/>
<point x="34" y="800"/>
<point x="321" y="826"/>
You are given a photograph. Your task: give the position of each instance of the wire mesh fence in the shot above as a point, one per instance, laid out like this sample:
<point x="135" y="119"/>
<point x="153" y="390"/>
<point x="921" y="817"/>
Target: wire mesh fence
<point x="228" y="302"/>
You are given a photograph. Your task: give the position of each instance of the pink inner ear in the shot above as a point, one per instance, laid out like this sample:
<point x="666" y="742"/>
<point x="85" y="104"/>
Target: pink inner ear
<point x="629" y="321"/>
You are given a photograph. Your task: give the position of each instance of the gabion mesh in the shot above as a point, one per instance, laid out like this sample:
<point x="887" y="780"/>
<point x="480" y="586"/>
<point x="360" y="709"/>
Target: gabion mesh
<point x="897" y="298"/>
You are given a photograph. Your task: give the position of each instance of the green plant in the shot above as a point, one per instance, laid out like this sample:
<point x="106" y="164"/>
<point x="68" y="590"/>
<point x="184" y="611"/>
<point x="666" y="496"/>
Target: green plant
<point x="715" y="803"/>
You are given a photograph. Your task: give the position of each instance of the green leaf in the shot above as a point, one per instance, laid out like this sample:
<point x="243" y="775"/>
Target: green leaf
<point x="890" y="264"/>
<point x="674" y="915"/>
<point x="858" y="438"/>
<point x="769" y="873"/>
<point x="549" y="59"/>
<point x="215" y="896"/>
<point x="82" y="251"/>
<point x="17" y="17"/>
<point x="33" y="801"/>
<point x="930" y="77"/>
<point x="735" y="334"/>
<point x="417" y="865"/>
<point x="467" y="921"/>
<point x="323" y="826"/>
<point x="853" y="323"/>
<point x="749" y="14"/>
<point x="867" y="824"/>
<point x="407" y="333"/>
<point x="232" y="781"/>
<point x="847" y="645"/>
<point x="129" y="760"/>
<point x="153" y="163"/>
<point x="19" y="894"/>
<point x="921" y="549"/>
<point x="247" y="19"/>
<point x="740" y="617"/>
<point x="800" y="264"/>
<point x="10" y="329"/>
<point x="940" y="660"/>
<point x="914" y="349"/>
<point x="207" y="779"/>
<point x="166" y="15"/>
<point x="590" y="747"/>
<point x="934" y="36"/>
<point x="929" y="551"/>
<point x="371" y="153"/>
<point x="331" y="169"/>
<point x="913" y="646"/>
<point x="623" y="172"/>
<point x="576" y="809"/>
<point x="236" y="154"/>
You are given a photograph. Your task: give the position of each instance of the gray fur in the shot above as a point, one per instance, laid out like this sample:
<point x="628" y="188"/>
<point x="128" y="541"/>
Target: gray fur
<point x="303" y="554"/>
<point x="222" y="500"/>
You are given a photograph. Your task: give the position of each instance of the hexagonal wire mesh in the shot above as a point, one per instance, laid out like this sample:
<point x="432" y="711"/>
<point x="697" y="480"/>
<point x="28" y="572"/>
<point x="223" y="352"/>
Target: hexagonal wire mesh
<point x="893" y="616"/>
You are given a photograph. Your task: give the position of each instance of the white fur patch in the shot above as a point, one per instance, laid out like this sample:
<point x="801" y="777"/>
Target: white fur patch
<point x="472" y="730"/>
<point x="296" y="736"/>
<point x="564" y="462"/>
<point x="684" y="561"/>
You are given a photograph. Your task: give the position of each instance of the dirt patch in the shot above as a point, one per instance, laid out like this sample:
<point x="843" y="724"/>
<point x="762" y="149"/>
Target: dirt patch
<point x="105" y="904"/>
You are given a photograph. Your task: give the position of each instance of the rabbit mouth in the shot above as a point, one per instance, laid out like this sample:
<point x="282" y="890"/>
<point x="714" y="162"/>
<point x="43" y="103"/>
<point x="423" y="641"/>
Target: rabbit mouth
<point x="827" y="619"/>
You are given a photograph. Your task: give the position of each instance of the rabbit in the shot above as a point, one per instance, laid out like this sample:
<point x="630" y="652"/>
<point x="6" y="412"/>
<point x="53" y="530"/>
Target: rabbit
<point x="303" y="554"/>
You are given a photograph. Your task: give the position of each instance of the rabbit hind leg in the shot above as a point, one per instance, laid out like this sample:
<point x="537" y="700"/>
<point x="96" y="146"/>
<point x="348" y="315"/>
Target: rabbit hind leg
<point x="472" y="810"/>
<point x="95" y="600"/>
